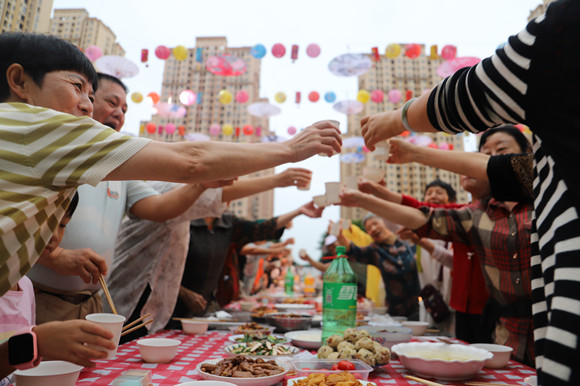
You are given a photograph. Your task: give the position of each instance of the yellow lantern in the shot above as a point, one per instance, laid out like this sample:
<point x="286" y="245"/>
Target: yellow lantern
<point x="137" y="97"/>
<point x="225" y="97"/>
<point x="227" y="129"/>
<point x="393" y="50"/>
<point x="363" y="96"/>
<point x="280" y="97"/>
<point x="180" y="52"/>
<point x="434" y="55"/>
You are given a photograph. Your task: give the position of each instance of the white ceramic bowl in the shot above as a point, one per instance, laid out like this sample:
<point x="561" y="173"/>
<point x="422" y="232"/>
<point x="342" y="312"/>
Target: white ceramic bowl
<point x="501" y="354"/>
<point x="419" y="328"/>
<point x="309" y="339"/>
<point x="247" y="305"/>
<point x="450" y="362"/>
<point x="261" y="381"/>
<point x="158" y="350"/>
<point x="49" y="373"/>
<point x="388" y="336"/>
<point x="206" y="383"/>
<point x="194" y="326"/>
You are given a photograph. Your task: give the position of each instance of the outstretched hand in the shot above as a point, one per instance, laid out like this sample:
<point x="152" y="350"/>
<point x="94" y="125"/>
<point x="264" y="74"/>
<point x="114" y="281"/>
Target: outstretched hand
<point x="408" y="234"/>
<point x="381" y="126"/>
<point x="401" y="151"/>
<point x="322" y="137"/>
<point x="350" y="197"/>
<point x="294" y="176"/>
<point x="310" y="210"/>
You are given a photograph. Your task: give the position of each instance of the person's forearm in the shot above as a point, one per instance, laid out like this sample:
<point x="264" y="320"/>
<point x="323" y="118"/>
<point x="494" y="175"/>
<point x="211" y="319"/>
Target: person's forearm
<point x="460" y="162"/>
<point x="417" y="116"/>
<point x="248" y="187"/>
<point x="404" y="215"/>
<point x="168" y="205"/>
<point x="386" y="194"/>
<point x="5" y="368"/>
<point x="318" y="265"/>
<point x="426" y="244"/>
<point x="284" y="219"/>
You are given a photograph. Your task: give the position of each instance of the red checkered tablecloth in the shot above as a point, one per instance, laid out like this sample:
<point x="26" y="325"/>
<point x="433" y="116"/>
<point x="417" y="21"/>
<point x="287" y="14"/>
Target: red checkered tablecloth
<point x="198" y="348"/>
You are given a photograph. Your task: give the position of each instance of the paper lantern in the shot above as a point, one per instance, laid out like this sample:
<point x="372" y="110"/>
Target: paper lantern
<point x="434" y="55"/>
<point x="181" y="130"/>
<point x="160" y="130"/>
<point x="242" y="96"/>
<point x="393" y="50"/>
<point x="258" y="51"/>
<point x="376" y="55"/>
<point x="137" y="97"/>
<point x="313" y="50"/>
<point x="363" y="96"/>
<point x="187" y="97"/>
<point x="394" y="96"/>
<point x="408" y="95"/>
<point x="291" y="130"/>
<point x="93" y="53"/>
<point x="280" y="97"/>
<point x="278" y="50"/>
<point x="154" y="97"/>
<point x="215" y="129"/>
<point x="151" y="128"/>
<point x="330" y="97"/>
<point x="298" y="97"/>
<point x="448" y="52"/>
<point x="170" y="128"/>
<point x="180" y="53"/>
<point x="162" y="52"/>
<point x="237" y="131"/>
<point x="144" y="55"/>
<point x="377" y="96"/>
<point x="248" y="130"/>
<point x="227" y="129"/>
<point x="258" y="131"/>
<point x="444" y="146"/>
<point x="225" y="97"/>
<point x="412" y="51"/>
<point x="294" y="52"/>
<point x="313" y="96"/>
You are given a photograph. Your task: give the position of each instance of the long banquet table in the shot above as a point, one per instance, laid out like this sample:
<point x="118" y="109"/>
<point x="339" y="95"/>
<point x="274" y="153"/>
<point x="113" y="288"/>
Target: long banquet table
<point x="198" y="348"/>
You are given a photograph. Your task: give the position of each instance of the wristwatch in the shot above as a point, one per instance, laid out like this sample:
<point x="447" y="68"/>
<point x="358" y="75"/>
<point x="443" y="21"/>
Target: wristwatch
<point x="22" y="349"/>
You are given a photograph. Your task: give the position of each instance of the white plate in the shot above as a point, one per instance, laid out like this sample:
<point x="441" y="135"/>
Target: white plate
<point x="532" y="381"/>
<point x="261" y="381"/>
<point x="232" y="338"/>
<point x="293" y="381"/>
<point x="293" y="351"/>
<point x="298" y="338"/>
<point x="294" y="307"/>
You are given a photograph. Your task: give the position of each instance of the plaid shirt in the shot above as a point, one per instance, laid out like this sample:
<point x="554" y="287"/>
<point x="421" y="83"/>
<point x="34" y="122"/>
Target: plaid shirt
<point x="501" y="240"/>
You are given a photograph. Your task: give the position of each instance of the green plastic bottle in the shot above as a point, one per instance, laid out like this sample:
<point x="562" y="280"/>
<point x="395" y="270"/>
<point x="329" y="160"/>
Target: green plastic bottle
<point x="338" y="296"/>
<point x="289" y="282"/>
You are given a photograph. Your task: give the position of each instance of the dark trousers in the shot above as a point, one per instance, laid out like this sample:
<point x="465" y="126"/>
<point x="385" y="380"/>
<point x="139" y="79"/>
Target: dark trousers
<point x="468" y="328"/>
<point x="141" y="332"/>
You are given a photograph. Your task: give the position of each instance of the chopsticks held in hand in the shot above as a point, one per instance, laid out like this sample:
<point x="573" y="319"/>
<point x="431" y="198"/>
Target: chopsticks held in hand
<point x="107" y="294"/>
<point x="127" y="329"/>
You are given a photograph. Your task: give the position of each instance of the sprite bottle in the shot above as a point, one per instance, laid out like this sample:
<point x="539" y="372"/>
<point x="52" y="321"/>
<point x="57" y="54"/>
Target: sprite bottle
<point x="289" y="282"/>
<point x="338" y="296"/>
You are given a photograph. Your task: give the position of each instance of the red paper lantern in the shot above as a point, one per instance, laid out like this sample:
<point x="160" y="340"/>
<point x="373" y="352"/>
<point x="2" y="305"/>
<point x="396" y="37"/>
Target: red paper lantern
<point x="412" y="51"/>
<point x="248" y="130"/>
<point x="162" y="52"/>
<point x="377" y="96"/>
<point x="408" y="95"/>
<point x="294" y="53"/>
<point x="297" y="97"/>
<point x="313" y="96"/>
<point x="237" y="131"/>
<point x="278" y="50"/>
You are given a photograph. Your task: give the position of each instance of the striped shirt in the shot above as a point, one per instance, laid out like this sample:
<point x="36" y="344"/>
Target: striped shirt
<point x="534" y="79"/>
<point x="44" y="156"/>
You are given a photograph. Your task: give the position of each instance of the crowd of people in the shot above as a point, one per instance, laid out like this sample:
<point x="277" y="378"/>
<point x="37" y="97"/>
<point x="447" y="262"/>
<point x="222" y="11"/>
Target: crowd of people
<point x="505" y="265"/>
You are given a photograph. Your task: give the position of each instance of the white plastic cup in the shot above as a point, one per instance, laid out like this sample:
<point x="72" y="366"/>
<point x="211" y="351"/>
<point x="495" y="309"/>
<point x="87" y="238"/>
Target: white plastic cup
<point x="382" y="150"/>
<point x="334" y="229"/>
<point x="373" y="174"/>
<point x="307" y="186"/>
<point x="345" y="223"/>
<point x="332" y="192"/>
<point x="351" y="183"/>
<point x="111" y="322"/>
<point x="320" y="201"/>
<point x="335" y="123"/>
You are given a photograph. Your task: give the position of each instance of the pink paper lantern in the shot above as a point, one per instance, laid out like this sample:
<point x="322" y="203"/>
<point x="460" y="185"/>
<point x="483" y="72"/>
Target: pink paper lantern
<point x="313" y="50"/>
<point x="278" y="50"/>
<point x="187" y="97"/>
<point x="394" y="96"/>
<point x="162" y="52"/>
<point x="377" y="96"/>
<point x="412" y="51"/>
<point x="170" y="128"/>
<point x="242" y="96"/>
<point x="160" y="129"/>
<point x="215" y="130"/>
<point x="258" y="131"/>
<point x="291" y="130"/>
<point x="444" y="146"/>
<point x="93" y="53"/>
<point x="448" y="52"/>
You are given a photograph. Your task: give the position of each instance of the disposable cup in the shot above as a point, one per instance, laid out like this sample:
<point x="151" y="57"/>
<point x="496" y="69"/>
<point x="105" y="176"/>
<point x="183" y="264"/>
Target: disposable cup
<point x="320" y="201"/>
<point x="345" y="223"/>
<point x="373" y="174"/>
<point x="335" y="123"/>
<point x="382" y="150"/>
<point x="307" y="186"/>
<point x="334" y="229"/>
<point x="351" y="182"/>
<point x="332" y="192"/>
<point x="111" y="322"/>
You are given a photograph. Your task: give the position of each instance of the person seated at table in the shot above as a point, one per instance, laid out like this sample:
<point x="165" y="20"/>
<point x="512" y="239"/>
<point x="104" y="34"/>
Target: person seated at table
<point x="255" y="254"/>
<point x="55" y="340"/>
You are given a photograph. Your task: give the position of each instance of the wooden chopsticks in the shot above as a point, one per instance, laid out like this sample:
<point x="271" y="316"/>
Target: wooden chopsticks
<point x="107" y="294"/>
<point x="476" y="383"/>
<point x="423" y="381"/>
<point x="127" y="328"/>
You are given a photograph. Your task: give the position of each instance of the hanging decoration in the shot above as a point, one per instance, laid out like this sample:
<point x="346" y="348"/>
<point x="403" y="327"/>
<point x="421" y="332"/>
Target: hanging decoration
<point x="187" y="97"/>
<point x="376" y="55"/>
<point x="180" y="53"/>
<point x="154" y="97"/>
<point x="196" y="137"/>
<point x="263" y="109"/>
<point x="258" y="131"/>
<point x="291" y="130"/>
<point x="93" y="53"/>
<point x="449" y="52"/>
<point x="449" y="67"/>
<point x="363" y="96"/>
<point x="280" y="97"/>
<point x="278" y="50"/>
<point x="434" y="55"/>
<point x="199" y="55"/>
<point x="258" y="51"/>
<point x="412" y="51"/>
<point x="350" y="65"/>
<point x="298" y="96"/>
<point x="377" y="96"/>
<point x="294" y="53"/>
<point x="313" y="96"/>
<point x="394" y="96"/>
<point x="225" y="65"/>
<point x="408" y="95"/>
<point x="145" y="56"/>
<point x="117" y="66"/>
<point x="352" y="158"/>
<point x="393" y="50"/>
<point x="227" y="129"/>
<point x="170" y="110"/>
<point x="225" y="97"/>
<point x="242" y="96"/>
<point x="349" y="107"/>
<point x="160" y="130"/>
<point x="248" y="130"/>
<point x="181" y="130"/>
<point x="351" y="142"/>
<point x="215" y="130"/>
<point x="237" y="131"/>
<point x="151" y="128"/>
<point x="170" y="128"/>
<point x="137" y="97"/>
<point x="313" y="50"/>
<point x="330" y="96"/>
<point x="162" y="52"/>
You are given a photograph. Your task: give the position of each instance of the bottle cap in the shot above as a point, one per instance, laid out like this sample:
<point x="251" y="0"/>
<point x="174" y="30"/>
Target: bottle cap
<point x="340" y="250"/>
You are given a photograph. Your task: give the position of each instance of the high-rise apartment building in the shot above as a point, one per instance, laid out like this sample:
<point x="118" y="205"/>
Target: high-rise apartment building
<point x="411" y="77"/>
<point x="76" y="26"/>
<point x="191" y="74"/>
<point x="25" y="15"/>
<point x="540" y="9"/>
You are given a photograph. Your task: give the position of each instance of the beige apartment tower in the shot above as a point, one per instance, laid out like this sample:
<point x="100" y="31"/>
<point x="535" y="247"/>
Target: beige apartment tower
<point x="25" y="15"/>
<point x="191" y="74"/>
<point x="76" y="26"/>
<point x="406" y="75"/>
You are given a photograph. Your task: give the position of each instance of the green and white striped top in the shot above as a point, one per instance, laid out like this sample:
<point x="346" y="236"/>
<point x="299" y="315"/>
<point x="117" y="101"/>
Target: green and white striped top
<point x="44" y="156"/>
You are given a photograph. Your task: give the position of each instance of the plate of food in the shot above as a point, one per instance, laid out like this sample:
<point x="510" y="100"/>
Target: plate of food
<point x="345" y="378"/>
<point x="261" y="350"/>
<point x="249" y="338"/>
<point x="243" y="371"/>
<point x="309" y="339"/>
<point x="251" y="328"/>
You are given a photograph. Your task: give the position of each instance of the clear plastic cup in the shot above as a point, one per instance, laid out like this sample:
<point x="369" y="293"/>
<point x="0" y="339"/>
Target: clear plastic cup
<point x="373" y="174"/>
<point x="111" y="322"/>
<point x="382" y="150"/>
<point x="334" y="229"/>
<point x="332" y="192"/>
